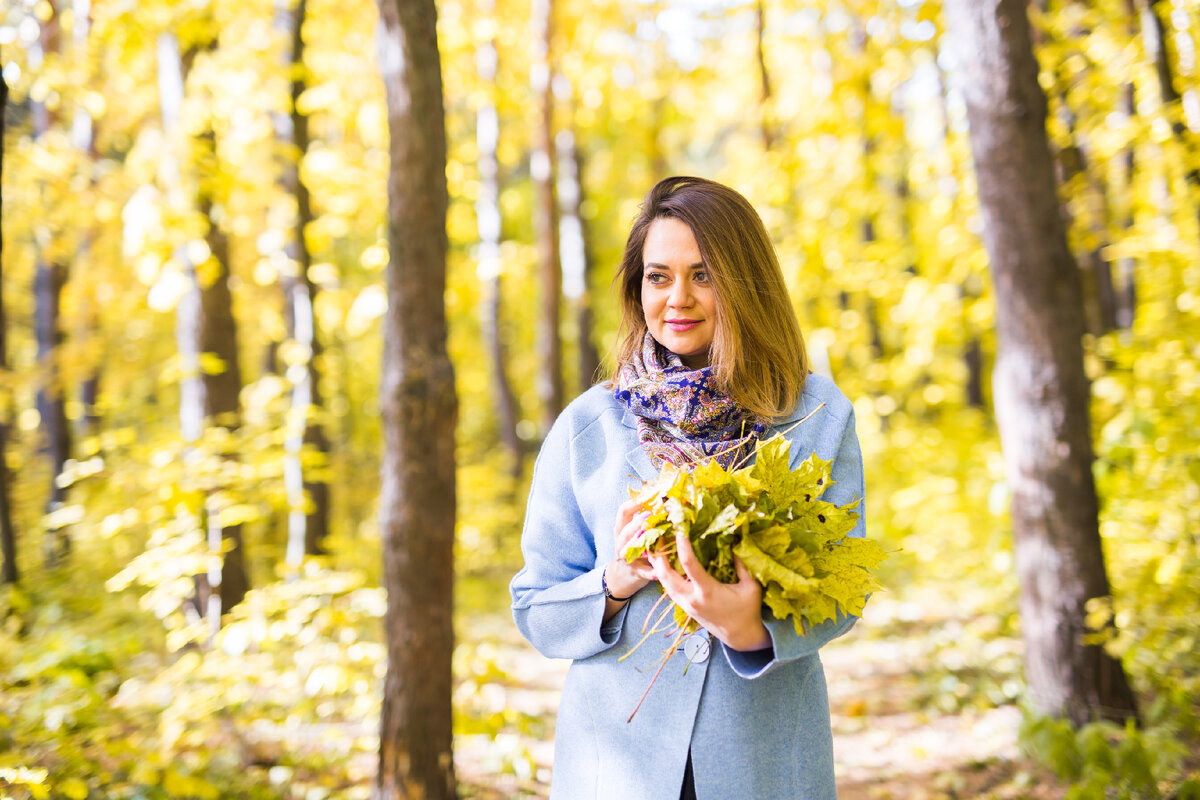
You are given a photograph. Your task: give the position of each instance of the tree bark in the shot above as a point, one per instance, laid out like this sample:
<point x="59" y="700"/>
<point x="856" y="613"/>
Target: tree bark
<point x="1073" y="161"/>
<point x="490" y="269"/>
<point x="419" y="408"/>
<point x="308" y="519"/>
<point x="576" y="260"/>
<point x="84" y="138"/>
<point x="764" y="98"/>
<point x="1041" y="390"/>
<point x="541" y="165"/>
<point x="205" y="328"/>
<point x="49" y="279"/>
<point x="8" y="538"/>
<point x="1154" y="33"/>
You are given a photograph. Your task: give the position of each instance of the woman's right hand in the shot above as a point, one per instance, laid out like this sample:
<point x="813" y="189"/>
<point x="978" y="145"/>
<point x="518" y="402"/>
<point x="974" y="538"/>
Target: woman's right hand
<point x="625" y="578"/>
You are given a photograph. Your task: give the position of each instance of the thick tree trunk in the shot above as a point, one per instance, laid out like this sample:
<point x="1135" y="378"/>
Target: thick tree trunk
<point x="1040" y="387"/>
<point x="419" y="407"/>
<point x="308" y="520"/>
<point x="49" y="279"/>
<point x="541" y="165"/>
<point x="205" y="328"/>
<point x="8" y="538"/>
<point x="576" y="258"/>
<point x="490" y="221"/>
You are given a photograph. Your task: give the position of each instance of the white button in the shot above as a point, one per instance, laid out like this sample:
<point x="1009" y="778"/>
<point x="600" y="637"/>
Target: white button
<point x="697" y="646"/>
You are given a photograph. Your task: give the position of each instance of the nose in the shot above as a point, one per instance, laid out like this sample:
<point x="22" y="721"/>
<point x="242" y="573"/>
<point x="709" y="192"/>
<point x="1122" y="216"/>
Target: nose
<point x="681" y="294"/>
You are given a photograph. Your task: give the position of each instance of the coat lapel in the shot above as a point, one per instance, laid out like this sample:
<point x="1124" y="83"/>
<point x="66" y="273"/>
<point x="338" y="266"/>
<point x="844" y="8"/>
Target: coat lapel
<point x="636" y="457"/>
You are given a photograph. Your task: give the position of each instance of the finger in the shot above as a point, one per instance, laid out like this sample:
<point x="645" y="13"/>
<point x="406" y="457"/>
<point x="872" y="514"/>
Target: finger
<point x="625" y="513"/>
<point x="632" y="529"/>
<point x="692" y="567"/>
<point x="742" y="572"/>
<point x="642" y="569"/>
<point x="746" y="581"/>
<point x="671" y="580"/>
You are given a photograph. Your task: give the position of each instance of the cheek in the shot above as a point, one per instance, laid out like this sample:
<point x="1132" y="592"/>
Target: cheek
<point x="650" y="304"/>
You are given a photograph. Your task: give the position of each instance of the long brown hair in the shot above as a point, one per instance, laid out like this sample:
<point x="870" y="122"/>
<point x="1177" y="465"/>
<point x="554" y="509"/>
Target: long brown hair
<point x="757" y="351"/>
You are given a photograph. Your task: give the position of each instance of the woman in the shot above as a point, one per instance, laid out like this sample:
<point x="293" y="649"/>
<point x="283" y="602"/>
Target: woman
<point x="711" y="362"/>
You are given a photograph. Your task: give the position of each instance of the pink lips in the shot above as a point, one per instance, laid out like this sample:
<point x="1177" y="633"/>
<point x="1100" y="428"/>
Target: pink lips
<point x="680" y="325"/>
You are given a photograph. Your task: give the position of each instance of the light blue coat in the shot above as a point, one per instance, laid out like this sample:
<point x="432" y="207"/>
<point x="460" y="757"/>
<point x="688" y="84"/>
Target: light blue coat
<point x="757" y="723"/>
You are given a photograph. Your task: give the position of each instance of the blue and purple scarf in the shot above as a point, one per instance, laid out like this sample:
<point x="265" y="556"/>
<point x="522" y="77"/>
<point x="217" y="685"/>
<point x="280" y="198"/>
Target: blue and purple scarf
<point x="683" y="417"/>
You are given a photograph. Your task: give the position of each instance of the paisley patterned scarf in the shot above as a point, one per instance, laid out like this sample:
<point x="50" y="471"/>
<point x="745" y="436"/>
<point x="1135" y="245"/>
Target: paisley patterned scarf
<point x="683" y="417"/>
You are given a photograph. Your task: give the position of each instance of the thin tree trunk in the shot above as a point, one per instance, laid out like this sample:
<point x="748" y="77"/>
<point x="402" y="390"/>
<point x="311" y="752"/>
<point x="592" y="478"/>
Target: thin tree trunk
<point x="8" y="537"/>
<point x="1154" y="34"/>
<point x="576" y="259"/>
<point x="84" y="139"/>
<point x="764" y="97"/>
<point x="1126" y="291"/>
<point x="308" y="519"/>
<point x="1073" y="162"/>
<point x="490" y="221"/>
<point x="973" y="359"/>
<point x="419" y="407"/>
<point x="541" y="165"/>
<point x="206" y="335"/>
<point x="49" y="279"/>
<point x="1041" y="390"/>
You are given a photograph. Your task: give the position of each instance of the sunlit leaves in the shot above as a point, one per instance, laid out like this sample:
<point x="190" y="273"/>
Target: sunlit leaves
<point x="773" y="519"/>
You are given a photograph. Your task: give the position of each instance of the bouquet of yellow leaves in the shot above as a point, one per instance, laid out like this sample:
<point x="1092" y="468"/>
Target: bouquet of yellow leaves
<point x="771" y="517"/>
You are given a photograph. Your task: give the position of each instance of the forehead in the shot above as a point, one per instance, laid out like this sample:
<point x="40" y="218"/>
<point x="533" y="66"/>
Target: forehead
<point x="670" y="242"/>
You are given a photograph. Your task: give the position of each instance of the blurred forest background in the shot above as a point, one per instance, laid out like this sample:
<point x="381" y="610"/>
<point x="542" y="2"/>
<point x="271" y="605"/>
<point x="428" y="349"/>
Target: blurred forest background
<point x="194" y="256"/>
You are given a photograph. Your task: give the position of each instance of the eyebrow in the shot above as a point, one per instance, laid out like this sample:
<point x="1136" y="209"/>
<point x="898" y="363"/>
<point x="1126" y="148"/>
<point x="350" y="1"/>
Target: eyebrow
<point x="656" y="265"/>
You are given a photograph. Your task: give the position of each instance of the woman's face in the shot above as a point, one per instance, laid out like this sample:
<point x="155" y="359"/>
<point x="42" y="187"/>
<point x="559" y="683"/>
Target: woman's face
<point x="677" y="294"/>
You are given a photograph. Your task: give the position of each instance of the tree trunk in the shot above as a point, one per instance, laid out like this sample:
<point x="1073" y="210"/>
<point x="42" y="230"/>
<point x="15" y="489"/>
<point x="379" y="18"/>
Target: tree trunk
<point x="49" y="279"/>
<point x="1154" y="32"/>
<point x="308" y="500"/>
<point x="419" y="408"/>
<point x="968" y="290"/>
<point x="8" y="538"/>
<point x="1099" y="295"/>
<point x="206" y="333"/>
<point x="576" y="259"/>
<point x="764" y="97"/>
<point x="490" y="221"/>
<point x="1126" y="291"/>
<point x="1041" y="391"/>
<point x="84" y="138"/>
<point x="541" y="165"/>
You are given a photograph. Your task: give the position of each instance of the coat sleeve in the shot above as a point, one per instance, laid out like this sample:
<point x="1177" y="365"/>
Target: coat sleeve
<point x="557" y="597"/>
<point x="786" y="645"/>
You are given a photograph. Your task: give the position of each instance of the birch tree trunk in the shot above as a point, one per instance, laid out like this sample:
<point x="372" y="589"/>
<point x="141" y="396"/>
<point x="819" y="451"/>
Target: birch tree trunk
<point x="576" y="257"/>
<point x="1041" y="391"/>
<point x="308" y="500"/>
<point x="490" y="269"/>
<point x="8" y="539"/>
<point x="206" y="335"/>
<point x="541" y="165"/>
<point x="49" y="279"/>
<point x="419" y="408"/>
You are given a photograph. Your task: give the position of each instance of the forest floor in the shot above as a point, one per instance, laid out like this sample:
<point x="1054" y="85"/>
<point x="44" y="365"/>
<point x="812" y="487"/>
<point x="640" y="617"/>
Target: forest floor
<point x="923" y="708"/>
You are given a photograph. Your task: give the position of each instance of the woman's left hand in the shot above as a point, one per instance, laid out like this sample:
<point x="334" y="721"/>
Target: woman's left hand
<point x="732" y="612"/>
